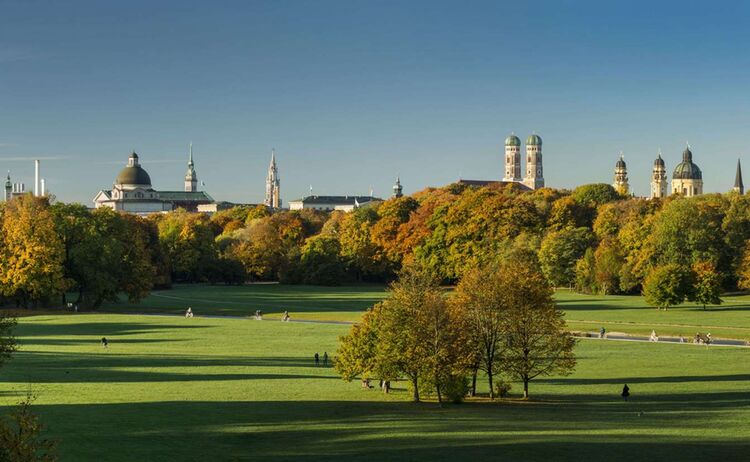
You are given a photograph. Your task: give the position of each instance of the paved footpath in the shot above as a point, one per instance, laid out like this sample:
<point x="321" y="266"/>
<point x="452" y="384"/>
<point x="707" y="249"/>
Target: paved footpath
<point x="583" y="335"/>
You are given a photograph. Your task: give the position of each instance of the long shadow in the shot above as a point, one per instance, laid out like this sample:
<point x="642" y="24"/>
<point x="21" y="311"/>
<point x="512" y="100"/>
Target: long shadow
<point x="111" y="367"/>
<point x="99" y="328"/>
<point x="351" y="430"/>
<point x="629" y="380"/>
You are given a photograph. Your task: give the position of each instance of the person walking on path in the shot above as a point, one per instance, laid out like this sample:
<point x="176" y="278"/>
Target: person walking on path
<point x="105" y="343"/>
<point x="653" y="337"/>
<point x="602" y="332"/>
<point x="285" y="317"/>
<point x="625" y="392"/>
<point x="317" y="360"/>
<point x="325" y="359"/>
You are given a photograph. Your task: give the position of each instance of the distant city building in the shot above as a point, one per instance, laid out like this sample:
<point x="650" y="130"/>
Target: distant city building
<point x="512" y="159"/>
<point x="273" y="184"/>
<point x="329" y="203"/>
<point x="398" y="190"/>
<point x="534" y="178"/>
<point x="739" y="187"/>
<point x="621" y="177"/>
<point x="687" y="178"/>
<point x="223" y="205"/>
<point x="534" y="173"/>
<point x="132" y="192"/>
<point x="483" y="183"/>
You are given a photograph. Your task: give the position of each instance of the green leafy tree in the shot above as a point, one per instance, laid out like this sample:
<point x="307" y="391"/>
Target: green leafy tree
<point x="320" y="261"/>
<point x="667" y="285"/>
<point x="586" y="273"/>
<point x="559" y="252"/>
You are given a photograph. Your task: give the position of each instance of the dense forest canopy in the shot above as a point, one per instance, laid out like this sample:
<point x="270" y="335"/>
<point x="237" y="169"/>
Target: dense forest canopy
<point x="591" y="239"/>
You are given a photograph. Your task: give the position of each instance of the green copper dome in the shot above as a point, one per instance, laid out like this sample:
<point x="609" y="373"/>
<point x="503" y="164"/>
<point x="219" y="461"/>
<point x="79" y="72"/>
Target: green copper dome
<point x="687" y="170"/>
<point x="534" y="140"/>
<point x="512" y="140"/>
<point x="133" y="174"/>
<point x="620" y="163"/>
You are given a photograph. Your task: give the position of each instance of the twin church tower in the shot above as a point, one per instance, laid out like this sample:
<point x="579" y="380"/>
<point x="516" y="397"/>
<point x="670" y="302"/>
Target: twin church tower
<point x="534" y="178"/>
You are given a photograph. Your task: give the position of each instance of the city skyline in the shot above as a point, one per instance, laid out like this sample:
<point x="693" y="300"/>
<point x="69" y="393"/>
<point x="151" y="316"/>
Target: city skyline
<point x="353" y="95"/>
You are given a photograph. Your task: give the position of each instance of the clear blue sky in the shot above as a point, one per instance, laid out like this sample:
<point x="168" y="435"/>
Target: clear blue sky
<point x="352" y="93"/>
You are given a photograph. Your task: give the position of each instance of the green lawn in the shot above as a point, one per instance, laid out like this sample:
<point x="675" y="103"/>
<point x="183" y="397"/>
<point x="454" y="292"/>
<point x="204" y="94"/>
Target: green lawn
<point x="170" y="388"/>
<point x="628" y="314"/>
<point x="344" y="303"/>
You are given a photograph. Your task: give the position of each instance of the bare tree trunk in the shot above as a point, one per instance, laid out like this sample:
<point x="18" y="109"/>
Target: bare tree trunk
<point x="492" y="391"/>
<point x="525" y="388"/>
<point x="440" y="395"/>
<point x="415" y="384"/>
<point x="474" y="383"/>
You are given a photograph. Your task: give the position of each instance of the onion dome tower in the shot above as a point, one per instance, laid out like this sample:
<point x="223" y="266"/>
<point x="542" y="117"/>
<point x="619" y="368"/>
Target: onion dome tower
<point x="512" y="159"/>
<point x="621" y="177"/>
<point x="398" y="190"/>
<point x="191" y="178"/>
<point x="687" y="178"/>
<point x="659" y="179"/>
<point x="534" y="178"/>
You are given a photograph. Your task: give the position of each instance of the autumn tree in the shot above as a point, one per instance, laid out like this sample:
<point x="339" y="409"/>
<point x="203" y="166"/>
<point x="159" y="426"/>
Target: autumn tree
<point x="706" y="284"/>
<point x="356" y="354"/>
<point x="667" y="285"/>
<point x="31" y="252"/>
<point x="21" y="437"/>
<point x="536" y="341"/>
<point x="481" y="296"/>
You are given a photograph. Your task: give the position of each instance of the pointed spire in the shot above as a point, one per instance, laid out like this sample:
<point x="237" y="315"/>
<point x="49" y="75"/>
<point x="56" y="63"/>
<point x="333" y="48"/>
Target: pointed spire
<point x="191" y="154"/>
<point x="738" y="185"/>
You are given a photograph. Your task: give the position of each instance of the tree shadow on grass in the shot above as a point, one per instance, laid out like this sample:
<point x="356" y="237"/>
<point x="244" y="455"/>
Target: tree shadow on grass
<point x="353" y="430"/>
<point x="629" y="380"/>
<point x="101" y="329"/>
<point x="108" y="366"/>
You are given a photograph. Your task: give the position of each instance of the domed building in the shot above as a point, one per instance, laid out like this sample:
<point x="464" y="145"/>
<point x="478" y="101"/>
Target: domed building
<point x="132" y="192"/>
<point x="687" y="178"/>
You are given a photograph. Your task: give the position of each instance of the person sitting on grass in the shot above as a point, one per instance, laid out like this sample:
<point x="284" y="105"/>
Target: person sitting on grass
<point x="189" y="313"/>
<point x="653" y="337"/>
<point x="285" y="317"/>
<point x="105" y="342"/>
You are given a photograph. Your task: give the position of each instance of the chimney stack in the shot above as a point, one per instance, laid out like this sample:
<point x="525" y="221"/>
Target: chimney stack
<point x="43" y="186"/>
<point x="36" y="178"/>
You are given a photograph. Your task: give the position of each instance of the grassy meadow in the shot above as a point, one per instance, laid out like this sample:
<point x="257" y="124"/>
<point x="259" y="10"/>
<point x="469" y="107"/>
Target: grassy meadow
<point x="628" y="314"/>
<point x="170" y="388"/>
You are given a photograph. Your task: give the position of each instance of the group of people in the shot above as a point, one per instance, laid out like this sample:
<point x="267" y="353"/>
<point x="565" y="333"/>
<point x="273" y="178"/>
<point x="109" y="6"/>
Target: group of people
<point x="703" y="339"/>
<point x="317" y="359"/>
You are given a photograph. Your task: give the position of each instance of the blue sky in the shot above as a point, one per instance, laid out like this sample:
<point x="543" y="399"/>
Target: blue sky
<point x="353" y="93"/>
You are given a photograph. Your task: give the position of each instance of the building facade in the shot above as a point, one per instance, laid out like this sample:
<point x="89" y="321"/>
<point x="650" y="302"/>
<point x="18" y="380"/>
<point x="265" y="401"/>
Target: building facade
<point x="398" y="190"/>
<point x="330" y="203"/>
<point x="659" y="179"/>
<point x="534" y="178"/>
<point x="132" y="192"/>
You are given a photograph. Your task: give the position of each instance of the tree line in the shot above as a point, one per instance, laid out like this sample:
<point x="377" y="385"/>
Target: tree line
<point x="590" y="239"/>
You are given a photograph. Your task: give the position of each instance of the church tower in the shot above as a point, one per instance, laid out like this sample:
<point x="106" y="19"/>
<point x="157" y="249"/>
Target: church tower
<point x="512" y="159"/>
<point x="621" y="177"/>
<point x="398" y="190"/>
<point x="191" y="178"/>
<point x="273" y="184"/>
<point x="738" y="185"/>
<point x="659" y="179"/>
<point x="8" y="188"/>
<point x="534" y="173"/>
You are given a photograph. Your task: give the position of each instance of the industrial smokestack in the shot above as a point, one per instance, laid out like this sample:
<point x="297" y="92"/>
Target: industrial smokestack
<point x="36" y="178"/>
<point x="43" y="186"/>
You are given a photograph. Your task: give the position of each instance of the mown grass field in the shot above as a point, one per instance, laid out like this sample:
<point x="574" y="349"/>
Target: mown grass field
<point x="171" y="388"/>
<point x="629" y="314"/>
